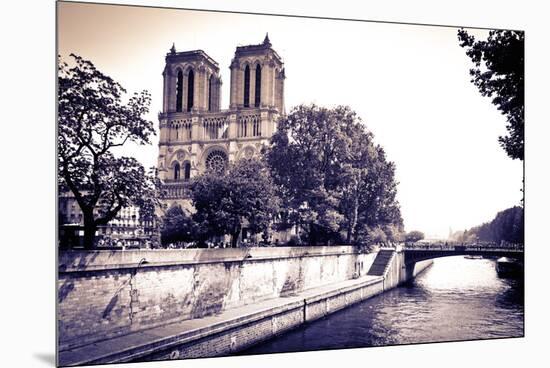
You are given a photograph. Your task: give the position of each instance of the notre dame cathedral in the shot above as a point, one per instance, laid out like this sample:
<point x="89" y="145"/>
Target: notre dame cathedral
<point x="195" y="134"/>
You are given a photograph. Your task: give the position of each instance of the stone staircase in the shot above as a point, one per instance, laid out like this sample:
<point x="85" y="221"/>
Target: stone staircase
<point x="381" y="262"/>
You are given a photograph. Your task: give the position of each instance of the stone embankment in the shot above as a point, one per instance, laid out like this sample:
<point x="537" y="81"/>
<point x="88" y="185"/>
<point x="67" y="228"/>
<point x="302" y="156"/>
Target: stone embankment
<point x="172" y="304"/>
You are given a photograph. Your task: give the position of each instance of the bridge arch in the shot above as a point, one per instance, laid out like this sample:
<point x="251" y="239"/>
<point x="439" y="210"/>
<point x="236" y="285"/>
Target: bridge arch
<point x="413" y="255"/>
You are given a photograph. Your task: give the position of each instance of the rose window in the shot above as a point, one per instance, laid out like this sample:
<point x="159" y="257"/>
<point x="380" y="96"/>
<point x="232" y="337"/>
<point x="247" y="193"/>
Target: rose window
<point x="216" y="161"/>
<point x="249" y="152"/>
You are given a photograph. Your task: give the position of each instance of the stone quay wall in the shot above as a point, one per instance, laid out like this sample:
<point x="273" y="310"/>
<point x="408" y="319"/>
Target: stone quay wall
<point x="398" y="272"/>
<point x="255" y="329"/>
<point x="276" y="321"/>
<point x="104" y="294"/>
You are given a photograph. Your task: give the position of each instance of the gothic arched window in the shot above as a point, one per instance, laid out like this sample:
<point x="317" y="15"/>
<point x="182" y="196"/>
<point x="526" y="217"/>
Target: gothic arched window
<point x="210" y="93"/>
<point x="258" y="87"/>
<point x="179" y="92"/>
<point x="187" y="171"/>
<point x="190" y="89"/>
<point x="176" y="171"/>
<point x="246" y="102"/>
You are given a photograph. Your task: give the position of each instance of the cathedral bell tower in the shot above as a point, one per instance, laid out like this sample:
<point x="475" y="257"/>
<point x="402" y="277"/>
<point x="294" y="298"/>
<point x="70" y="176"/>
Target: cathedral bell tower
<point x="195" y="134"/>
<point x="192" y="82"/>
<point x="257" y="78"/>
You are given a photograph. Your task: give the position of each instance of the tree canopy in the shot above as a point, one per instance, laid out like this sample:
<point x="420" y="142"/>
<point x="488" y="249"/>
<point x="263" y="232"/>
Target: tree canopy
<point x="508" y="226"/>
<point x="498" y="73"/>
<point x="224" y="200"/>
<point x="92" y="121"/>
<point x="414" y="236"/>
<point x="177" y="226"/>
<point x="334" y="182"/>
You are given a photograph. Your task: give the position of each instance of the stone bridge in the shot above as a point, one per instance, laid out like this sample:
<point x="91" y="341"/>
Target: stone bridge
<point x="403" y="262"/>
<point x="421" y="252"/>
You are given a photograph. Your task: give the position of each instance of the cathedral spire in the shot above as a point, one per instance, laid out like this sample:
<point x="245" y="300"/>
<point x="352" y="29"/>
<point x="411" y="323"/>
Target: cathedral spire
<point x="173" y="49"/>
<point x="266" y="40"/>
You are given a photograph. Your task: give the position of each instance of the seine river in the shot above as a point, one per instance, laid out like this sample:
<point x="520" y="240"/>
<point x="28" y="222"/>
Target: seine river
<point x="455" y="299"/>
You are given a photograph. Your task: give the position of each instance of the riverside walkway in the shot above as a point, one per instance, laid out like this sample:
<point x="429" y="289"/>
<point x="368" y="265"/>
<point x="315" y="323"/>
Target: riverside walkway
<point x="166" y="338"/>
<point x="293" y="282"/>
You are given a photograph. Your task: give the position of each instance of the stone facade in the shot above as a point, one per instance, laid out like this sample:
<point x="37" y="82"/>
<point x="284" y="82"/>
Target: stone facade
<point x="195" y="134"/>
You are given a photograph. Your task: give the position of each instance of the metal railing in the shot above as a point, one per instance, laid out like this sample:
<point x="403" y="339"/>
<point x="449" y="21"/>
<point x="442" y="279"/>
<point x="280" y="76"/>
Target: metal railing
<point x="464" y="246"/>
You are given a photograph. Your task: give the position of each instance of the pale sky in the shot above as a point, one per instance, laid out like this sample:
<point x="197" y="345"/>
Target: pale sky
<point x="409" y="84"/>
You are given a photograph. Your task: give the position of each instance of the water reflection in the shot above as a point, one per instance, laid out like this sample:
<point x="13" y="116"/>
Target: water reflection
<point x="456" y="299"/>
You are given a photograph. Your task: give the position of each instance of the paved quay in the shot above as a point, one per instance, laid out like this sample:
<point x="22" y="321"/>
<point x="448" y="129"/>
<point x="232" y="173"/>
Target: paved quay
<point x="142" y="343"/>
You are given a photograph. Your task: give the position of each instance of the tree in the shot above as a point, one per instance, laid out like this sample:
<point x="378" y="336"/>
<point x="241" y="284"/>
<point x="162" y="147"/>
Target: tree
<point x="508" y="225"/>
<point x="414" y="236"/>
<point x="378" y="205"/>
<point x="330" y="175"/>
<point x="177" y="226"/>
<point x="371" y="235"/>
<point x="224" y="200"/>
<point x="305" y="159"/>
<point x="92" y="121"/>
<point x="499" y="73"/>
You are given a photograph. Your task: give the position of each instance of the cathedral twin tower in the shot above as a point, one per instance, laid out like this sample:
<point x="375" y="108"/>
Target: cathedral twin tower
<point x="195" y="134"/>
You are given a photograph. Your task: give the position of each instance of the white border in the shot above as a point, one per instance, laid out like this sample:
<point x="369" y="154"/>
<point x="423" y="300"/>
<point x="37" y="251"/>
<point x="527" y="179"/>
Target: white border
<point x="28" y="181"/>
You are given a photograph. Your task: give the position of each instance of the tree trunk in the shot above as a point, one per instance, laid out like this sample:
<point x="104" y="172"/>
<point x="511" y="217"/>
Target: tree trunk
<point x="354" y="212"/>
<point x="312" y="235"/>
<point x="353" y="220"/>
<point x="90" y="228"/>
<point x="235" y="236"/>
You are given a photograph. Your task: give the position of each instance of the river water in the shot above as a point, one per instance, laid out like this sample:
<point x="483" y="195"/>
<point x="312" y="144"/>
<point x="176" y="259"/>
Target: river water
<point x="455" y="299"/>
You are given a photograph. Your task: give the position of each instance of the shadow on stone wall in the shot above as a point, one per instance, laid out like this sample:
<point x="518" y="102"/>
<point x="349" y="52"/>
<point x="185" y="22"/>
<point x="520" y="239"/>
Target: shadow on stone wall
<point x="214" y="287"/>
<point x="77" y="259"/>
<point x="64" y="290"/>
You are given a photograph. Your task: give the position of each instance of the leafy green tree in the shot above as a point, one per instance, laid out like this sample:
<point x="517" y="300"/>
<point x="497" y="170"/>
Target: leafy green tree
<point x="371" y="199"/>
<point x="414" y="236"/>
<point x="371" y="235"/>
<point x="354" y="174"/>
<point x="394" y="232"/>
<point x="508" y="225"/>
<point x="92" y="121"/>
<point x="224" y="200"/>
<point x="305" y="157"/>
<point x="378" y="205"/>
<point x="499" y="73"/>
<point x="330" y="175"/>
<point x="177" y="226"/>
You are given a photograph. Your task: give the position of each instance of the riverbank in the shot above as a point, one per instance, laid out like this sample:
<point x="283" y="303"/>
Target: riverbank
<point x="230" y="329"/>
<point x="456" y="299"/>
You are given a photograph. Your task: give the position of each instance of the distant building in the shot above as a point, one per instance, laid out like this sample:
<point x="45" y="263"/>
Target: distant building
<point x="126" y="227"/>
